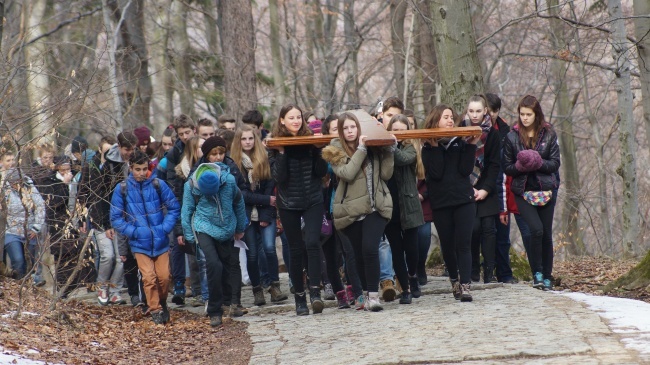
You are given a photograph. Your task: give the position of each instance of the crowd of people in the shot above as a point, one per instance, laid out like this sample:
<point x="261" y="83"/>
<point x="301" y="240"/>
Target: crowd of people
<point x="355" y="221"/>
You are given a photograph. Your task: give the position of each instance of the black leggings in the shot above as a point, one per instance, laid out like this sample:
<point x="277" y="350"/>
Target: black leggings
<point x="330" y="262"/>
<point x="540" y="224"/>
<point x="484" y="240"/>
<point x="219" y="258"/>
<point x="313" y="218"/>
<point x="364" y="235"/>
<point x="454" y="225"/>
<point x="403" y="244"/>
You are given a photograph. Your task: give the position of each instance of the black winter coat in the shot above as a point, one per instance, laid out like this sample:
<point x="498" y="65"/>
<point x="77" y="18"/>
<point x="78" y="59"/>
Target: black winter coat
<point x="447" y="173"/>
<point x="489" y="175"/>
<point x="259" y="198"/>
<point x="298" y="173"/>
<point x="55" y="194"/>
<point x="542" y="179"/>
<point x="174" y="157"/>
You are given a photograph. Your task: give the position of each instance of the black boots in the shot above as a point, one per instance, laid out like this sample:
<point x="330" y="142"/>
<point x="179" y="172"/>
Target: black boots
<point x="414" y="285"/>
<point x="317" y="304"/>
<point x="301" y="304"/>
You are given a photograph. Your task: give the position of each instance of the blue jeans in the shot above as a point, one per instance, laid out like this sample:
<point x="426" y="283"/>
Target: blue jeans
<point x="523" y="229"/>
<point x="14" y="248"/>
<point x="386" y="271"/>
<point x="504" y="271"/>
<point x="257" y="237"/>
<point x="424" y="243"/>
<point x="177" y="262"/>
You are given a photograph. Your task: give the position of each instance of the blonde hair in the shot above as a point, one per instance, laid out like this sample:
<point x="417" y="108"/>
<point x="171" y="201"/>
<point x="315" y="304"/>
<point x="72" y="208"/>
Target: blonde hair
<point x="419" y="166"/>
<point x="258" y="155"/>
<point x="191" y="150"/>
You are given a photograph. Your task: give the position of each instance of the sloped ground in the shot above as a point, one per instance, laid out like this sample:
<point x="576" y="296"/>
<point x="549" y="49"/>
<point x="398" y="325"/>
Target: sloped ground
<point x="84" y="333"/>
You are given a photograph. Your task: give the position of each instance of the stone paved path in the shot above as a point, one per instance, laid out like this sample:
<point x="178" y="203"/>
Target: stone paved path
<point x="511" y="324"/>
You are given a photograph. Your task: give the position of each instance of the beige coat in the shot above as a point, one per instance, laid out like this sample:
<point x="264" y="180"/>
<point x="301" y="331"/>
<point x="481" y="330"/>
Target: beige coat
<point x="352" y="199"/>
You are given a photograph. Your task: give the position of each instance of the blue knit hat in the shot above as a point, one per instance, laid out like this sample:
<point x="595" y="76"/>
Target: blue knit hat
<point x="207" y="179"/>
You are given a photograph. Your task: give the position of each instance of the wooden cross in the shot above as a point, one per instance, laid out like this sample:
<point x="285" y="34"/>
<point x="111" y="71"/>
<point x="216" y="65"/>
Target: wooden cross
<point x="376" y="134"/>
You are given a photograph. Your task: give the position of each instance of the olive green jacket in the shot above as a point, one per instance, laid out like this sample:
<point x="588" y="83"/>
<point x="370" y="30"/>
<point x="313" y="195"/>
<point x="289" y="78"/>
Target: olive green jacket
<point x="410" y="208"/>
<point x="352" y="200"/>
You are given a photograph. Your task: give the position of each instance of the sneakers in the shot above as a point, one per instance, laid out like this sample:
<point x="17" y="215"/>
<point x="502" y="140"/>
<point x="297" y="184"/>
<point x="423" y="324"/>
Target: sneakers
<point x="136" y="302"/>
<point x="328" y="292"/>
<point x="196" y="301"/>
<point x="157" y="317"/>
<point x="455" y="289"/>
<point x="342" y="299"/>
<point x="350" y="294"/>
<point x="407" y="298"/>
<point x="258" y="296"/>
<point x="388" y="292"/>
<point x="179" y="293"/>
<point x="538" y="280"/>
<point x="548" y="285"/>
<point x="317" y="304"/>
<point x="301" y="304"/>
<point x="422" y="279"/>
<point x="216" y="321"/>
<point x="276" y="294"/>
<point x="414" y="284"/>
<point x="117" y="299"/>
<point x="361" y="303"/>
<point x="373" y="303"/>
<point x="465" y="295"/>
<point x="102" y="296"/>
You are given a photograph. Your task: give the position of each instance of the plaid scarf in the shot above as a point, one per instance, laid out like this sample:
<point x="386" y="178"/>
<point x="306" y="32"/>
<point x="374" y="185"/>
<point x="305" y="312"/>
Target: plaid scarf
<point x="486" y="125"/>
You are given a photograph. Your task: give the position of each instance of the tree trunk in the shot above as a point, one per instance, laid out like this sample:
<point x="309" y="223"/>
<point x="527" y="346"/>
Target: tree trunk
<point x="425" y="57"/>
<point x="642" y="32"/>
<point x="324" y="32"/>
<point x="397" y="15"/>
<point x="603" y="203"/>
<point x="38" y="82"/>
<point x="161" y="77"/>
<point x="637" y="277"/>
<point x="181" y="57"/>
<point x="627" y="169"/>
<point x="238" y="46"/>
<point x="352" y="64"/>
<point x="111" y="40"/>
<point x="458" y="63"/>
<point x="133" y="61"/>
<point x="2" y="16"/>
<point x="564" y="126"/>
<point x="276" y="55"/>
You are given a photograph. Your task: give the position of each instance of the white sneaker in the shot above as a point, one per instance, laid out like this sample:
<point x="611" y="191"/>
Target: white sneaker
<point x="102" y="296"/>
<point x="205" y="309"/>
<point x="117" y="299"/>
<point x="373" y="303"/>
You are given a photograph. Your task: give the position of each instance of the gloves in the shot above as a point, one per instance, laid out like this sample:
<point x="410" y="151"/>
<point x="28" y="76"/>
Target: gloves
<point x="528" y="160"/>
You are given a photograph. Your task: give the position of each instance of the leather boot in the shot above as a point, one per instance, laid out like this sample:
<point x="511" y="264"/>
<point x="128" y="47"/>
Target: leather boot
<point x="301" y="304"/>
<point x="317" y="304"/>
<point x="276" y="294"/>
<point x="258" y="295"/>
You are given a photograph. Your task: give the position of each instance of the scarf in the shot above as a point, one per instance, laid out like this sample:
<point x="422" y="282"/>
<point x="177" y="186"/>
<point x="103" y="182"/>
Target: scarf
<point x="485" y="125"/>
<point x="185" y="167"/>
<point x="247" y="163"/>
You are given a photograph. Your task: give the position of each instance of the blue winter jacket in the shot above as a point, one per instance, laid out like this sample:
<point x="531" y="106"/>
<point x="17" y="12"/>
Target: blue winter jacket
<point x="143" y="220"/>
<point x="215" y="215"/>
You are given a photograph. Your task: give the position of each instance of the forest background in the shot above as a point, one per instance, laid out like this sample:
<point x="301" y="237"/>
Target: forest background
<point x="90" y="67"/>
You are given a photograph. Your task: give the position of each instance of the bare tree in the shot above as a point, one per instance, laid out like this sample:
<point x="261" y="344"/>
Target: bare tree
<point x="458" y="64"/>
<point x="181" y="57"/>
<point x="238" y="46"/>
<point x="642" y="32"/>
<point x="276" y="53"/>
<point x="398" y="46"/>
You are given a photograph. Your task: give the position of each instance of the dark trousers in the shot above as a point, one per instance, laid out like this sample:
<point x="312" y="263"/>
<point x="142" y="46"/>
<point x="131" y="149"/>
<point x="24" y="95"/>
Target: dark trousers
<point x="330" y="259"/>
<point x="540" y="224"/>
<point x="218" y="259"/>
<point x="404" y="249"/>
<point x="364" y="236"/>
<point x="484" y="240"/>
<point x="424" y="243"/>
<point x="351" y="272"/>
<point x="502" y="259"/>
<point x="454" y="225"/>
<point x="177" y="261"/>
<point x="67" y="253"/>
<point x="313" y="218"/>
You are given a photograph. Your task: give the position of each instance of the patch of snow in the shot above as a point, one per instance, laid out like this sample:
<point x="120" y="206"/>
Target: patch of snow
<point x="12" y="313"/>
<point x="626" y="316"/>
<point x="6" y="357"/>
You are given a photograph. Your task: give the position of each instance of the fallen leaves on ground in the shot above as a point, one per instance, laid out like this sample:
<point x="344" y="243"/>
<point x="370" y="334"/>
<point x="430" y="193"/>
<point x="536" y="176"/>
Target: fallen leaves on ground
<point x="83" y="333"/>
<point x="591" y="274"/>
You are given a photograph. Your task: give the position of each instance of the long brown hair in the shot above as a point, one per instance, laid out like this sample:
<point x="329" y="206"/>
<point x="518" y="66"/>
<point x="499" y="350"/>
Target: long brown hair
<point x="191" y="150"/>
<point x="279" y="130"/>
<point x="419" y="166"/>
<point x="530" y="102"/>
<point x="342" y="118"/>
<point x="258" y="155"/>
<point x="433" y="119"/>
